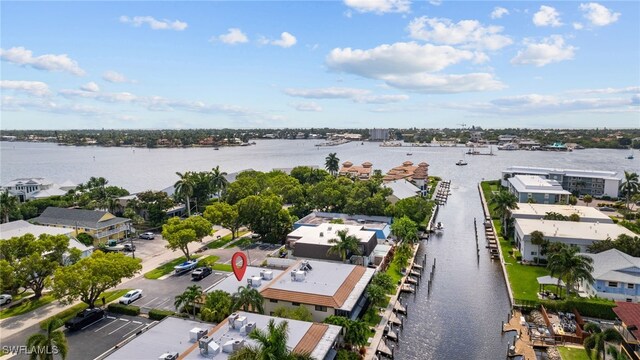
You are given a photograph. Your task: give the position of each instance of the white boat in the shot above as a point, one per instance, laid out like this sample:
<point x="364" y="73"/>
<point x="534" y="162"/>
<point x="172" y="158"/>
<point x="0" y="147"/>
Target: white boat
<point x="461" y="163"/>
<point x="186" y="266"/>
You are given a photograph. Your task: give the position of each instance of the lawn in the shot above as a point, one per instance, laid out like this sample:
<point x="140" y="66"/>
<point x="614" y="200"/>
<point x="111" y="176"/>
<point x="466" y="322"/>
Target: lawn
<point x="394" y="272"/>
<point x="26" y="306"/>
<point x="223" y="241"/>
<point x="240" y="243"/>
<point x="211" y="261"/>
<point x="72" y="311"/>
<point x="166" y="268"/>
<point x="568" y="353"/>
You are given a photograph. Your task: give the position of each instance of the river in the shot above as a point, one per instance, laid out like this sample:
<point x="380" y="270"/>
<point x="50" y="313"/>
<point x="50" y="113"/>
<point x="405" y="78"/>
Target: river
<point x="461" y="317"/>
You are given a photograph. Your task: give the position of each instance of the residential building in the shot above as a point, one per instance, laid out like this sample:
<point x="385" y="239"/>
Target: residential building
<point x="36" y="188"/>
<point x="324" y="288"/>
<point x="381" y="225"/>
<point x="579" y="182"/>
<point x="20" y="228"/>
<point x="101" y="225"/>
<point x="402" y="189"/>
<point x="314" y="242"/>
<point x="580" y="234"/>
<point x="378" y="134"/>
<point x="538" y="211"/>
<point x="419" y="175"/>
<point x="363" y="172"/>
<point x="504" y="139"/>
<point x="532" y="188"/>
<point x="191" y="339"/>
<point x="476" y="136"/>
<point x="616" y="276"/>
<point x="629" y="328"/>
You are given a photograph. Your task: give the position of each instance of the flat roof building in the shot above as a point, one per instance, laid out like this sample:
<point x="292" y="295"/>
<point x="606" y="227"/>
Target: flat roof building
<point x="538" y="211"/>
<point x="324" y="288"/>
<point x="580" y="234"/>
<point x="191" y="339"/>
<point x="315" y="241"/>
<point x="379" y="224"/>
<point x="537" y="189"/>
<point x="402" y="189"/>
<point x="255" y="277"/>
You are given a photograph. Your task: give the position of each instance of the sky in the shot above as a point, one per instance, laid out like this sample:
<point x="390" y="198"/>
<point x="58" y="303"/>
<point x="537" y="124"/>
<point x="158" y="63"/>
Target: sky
<point x="304" y="64"/>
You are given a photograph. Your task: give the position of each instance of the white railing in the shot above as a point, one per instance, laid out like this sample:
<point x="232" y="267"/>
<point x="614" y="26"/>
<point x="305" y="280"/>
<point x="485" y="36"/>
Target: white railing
<point x="111" y="232"/>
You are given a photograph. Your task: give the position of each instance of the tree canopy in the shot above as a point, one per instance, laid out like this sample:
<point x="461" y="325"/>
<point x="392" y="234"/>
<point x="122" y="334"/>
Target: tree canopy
<point x="180" y="233"/>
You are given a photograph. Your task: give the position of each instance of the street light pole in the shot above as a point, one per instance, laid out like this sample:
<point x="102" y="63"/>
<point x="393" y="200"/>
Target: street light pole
<point x="133" y="249"/>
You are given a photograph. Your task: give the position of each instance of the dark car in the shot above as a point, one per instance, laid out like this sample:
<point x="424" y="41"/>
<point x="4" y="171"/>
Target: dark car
<point x="201" y="273"/>
<point x="84" y="318"/>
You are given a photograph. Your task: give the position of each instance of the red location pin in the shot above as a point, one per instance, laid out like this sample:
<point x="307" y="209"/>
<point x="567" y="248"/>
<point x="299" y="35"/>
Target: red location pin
<point x="239" y="269"/>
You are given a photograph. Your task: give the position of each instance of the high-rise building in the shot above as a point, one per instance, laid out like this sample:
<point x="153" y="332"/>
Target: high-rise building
<point x="379" y="134"/>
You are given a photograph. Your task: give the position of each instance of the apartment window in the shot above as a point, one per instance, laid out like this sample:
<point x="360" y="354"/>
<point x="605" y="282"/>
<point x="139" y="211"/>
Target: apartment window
<point x="630" y="286"/>
<point x="613" y="284"/>
<point x="295" y="303"/>
<point x="534" y="253"/>
<point x="629" y="300"/>
<point x="321" y="308"/>
<point x="546" y="196"/>
<point x="529" y="195"/>
<point x="273" y="301"/>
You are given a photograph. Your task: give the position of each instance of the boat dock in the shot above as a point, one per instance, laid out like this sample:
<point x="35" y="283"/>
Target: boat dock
<point x="443" y="192"/>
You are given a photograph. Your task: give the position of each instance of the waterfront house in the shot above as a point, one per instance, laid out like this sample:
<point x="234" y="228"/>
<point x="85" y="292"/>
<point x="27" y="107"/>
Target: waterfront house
<point x="178" y="338"/>
<point x="629" y="328"/>
<point x="20" y="228"/>
<point x="402" y="189"/>
<point x="538" y="211"/>
<point x="324" y="288"/>
<point x="363" y="172"/>
<point x="381" y="225"/>
<point x="580" y="234"/>
<point x="616" y="276"/>
<point x="532" y="188"/>
<point x="36" y="188"/>
<point x="578" y="182"/>
<point x="101" y="225"/>
<point x="419" y="175"/>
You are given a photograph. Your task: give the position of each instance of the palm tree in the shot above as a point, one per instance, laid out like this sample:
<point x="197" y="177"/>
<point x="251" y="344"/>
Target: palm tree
<point x="248" y="298"/>
<point x="598" y="338"/>
<point x="8" y="204"/>
<point x="45" y="346"/>
<point x="566" y="263"/>
<point x="112" y="204"/>
<point x="271" y="343"/>
<point x="537" y="238"/>
<point x="218" y="181"/>
<point x="629" y="186"/>
<point x="332" y="163"/>
<point x="344" y="244"/>
<point x="184" y="189"/>
<point x="188" y="298"/>
<point x="502" y="202"/>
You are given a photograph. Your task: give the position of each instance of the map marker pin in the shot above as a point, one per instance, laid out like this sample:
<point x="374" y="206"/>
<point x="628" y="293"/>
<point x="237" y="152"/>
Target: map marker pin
<point x="239" y="269"/>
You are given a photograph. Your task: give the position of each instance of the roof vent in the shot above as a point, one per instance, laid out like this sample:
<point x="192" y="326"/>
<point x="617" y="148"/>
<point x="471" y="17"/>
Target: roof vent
<point x="169" y="356"/>
<point x="254" y="281"/>
<point x="196" y="333"/>
<point x="240" y="322"/>
<point x="305" y="266"/>
<point x="247" y="329"/>
<point x="329" y="228"/>
<point x="266" y="274"/>
<point x="299" y="275"/>
<point x="321" y="234"/>
<point x="233" y="318"/>
<point x="208" y="347"/>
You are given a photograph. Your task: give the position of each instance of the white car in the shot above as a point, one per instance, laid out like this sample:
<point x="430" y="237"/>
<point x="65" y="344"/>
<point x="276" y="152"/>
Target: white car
<point x="5" y="299"/>
<point x="130" y="297"/>
<point x="147" y="236"/>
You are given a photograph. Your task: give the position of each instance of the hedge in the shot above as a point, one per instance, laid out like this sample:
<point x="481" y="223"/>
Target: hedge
<point x="157" y="314"/>
<point x="597" y="308"/>
<point x="124" y="309"/>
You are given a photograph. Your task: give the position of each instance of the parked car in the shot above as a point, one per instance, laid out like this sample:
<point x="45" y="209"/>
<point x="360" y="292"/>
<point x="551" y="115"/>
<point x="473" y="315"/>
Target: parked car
<point x="606" y="208"/>
<point x="129" y="247"/>
<point x="84" y="318"/>
<point x="147" y="236"/>
<point x="130" y="297"/>
<point x="5" y="299"/>
<point x="201" y="273"/>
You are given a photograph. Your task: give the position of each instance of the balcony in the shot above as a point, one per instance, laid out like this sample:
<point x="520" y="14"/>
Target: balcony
<point x="108" y="233"/>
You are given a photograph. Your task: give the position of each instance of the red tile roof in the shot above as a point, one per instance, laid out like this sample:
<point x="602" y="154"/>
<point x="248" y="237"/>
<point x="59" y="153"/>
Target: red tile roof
<point x="629" y="314"/>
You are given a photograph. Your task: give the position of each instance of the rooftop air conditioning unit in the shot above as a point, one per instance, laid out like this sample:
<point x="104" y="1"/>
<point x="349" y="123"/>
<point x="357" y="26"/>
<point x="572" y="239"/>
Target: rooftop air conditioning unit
<point x="254" y="281"/>
<point x="208" y="347"/>
<point x="196" y="333"/>
<point x="247" y="329"/>
<point x="228" y="347"/>
<point x="240" y="322"/>
<point x="169" y="356"/>
<point x="329" y="228"/>
<point x="266" y="274"/>
<point x="298" y="275"/>
<point x="232" y="318"/>
<point x="238" y="344"/>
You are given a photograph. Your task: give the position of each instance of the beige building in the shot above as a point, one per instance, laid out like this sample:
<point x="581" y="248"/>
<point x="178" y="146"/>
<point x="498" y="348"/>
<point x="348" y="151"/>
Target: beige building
<point x="363" y="172"/>
<point x="101" y="225"/>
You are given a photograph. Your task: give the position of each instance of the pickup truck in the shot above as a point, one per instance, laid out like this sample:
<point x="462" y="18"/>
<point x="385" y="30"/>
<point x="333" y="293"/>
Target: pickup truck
<point x="84" y="318"/>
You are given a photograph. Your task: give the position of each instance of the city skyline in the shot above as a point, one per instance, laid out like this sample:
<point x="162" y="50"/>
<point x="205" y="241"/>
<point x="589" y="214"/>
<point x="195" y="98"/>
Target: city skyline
<point x="351" y="64"/>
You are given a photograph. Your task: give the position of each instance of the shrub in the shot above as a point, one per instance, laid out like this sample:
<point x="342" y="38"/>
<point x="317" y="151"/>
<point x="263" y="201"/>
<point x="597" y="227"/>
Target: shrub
<point x="124" y="309"/>
<point x="63" y="315"/>
<point x="85" y="239"/>
<point x="157" y="314"/>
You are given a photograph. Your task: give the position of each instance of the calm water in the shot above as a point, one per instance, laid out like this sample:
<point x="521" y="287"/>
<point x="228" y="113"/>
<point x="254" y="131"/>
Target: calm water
<point x="459" y="320"/>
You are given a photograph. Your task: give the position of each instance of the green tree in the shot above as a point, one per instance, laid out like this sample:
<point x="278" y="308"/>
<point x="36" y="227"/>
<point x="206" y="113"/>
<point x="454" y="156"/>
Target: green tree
<point x="299" y="313"/>
<point x="356" y="333"/>
<point x="537" y="238"/>
<point x="332" y="164"/>
<point x="598" y="339"/>
<point x="376" y="294"/>
<point x="629" y="186"/>
<point x="587" y="199"/>
<point x="384" y="280"/>
<point x="218" y="181"/>
<point x="573" y="200"/>
<point x="264" y="215"/>
<point x="552" y="215"/>
<point x="7" y="277"/>
<point x="502" y="202"/>
<point x="85" y="238"/>
<point x="9" y="204"/>
<point x="271" y="344"/>
<point x="155" y="204"/>
<point x="188" y="298"/>
<point x="567" y="264"/>
<point x="416" y="208"/>
<point x="45" y="346"/>
<point x="248" y="299"/>
<point x="574" y="217"/>
<point x="216" y="306"/>
<point x="91" y="276"/>
<point x="625" y="243"/>
<point x="180" y="233"/>
<point x="405" y="229"/>
<point x="344" y="245"/>
<point x="402" y="253"/>
<point x="184" y="189"/>
<point x="226" y="215"/>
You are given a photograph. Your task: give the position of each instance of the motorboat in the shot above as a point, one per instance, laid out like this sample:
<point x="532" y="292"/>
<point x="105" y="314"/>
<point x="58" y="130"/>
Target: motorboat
<point x="461" y="163"/>
<point x="186" y="266"/>
<point x="439" y="226"/>
<point x="409" y="154"/>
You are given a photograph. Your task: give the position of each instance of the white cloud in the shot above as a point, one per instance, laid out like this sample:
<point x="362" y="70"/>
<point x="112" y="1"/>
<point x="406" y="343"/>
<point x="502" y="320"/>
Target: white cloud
<point x="21" y="56"/>
<point x="90" y="86"/>
<point x="308" y="106"/>
<point x="16" y="104"/>
<point x="468" y="33"/>
<point x="35" y="88"/>
<point x="435" y="2"/>
<point x="379" y="6"/>
<point x="286" y="40"/>
<point x="498" y="12"/>
<point x="115" y="77"/>
<point x="233" y="36"/>
<point x="624" y="90"/>
<point x="356" y="95"/>
<point x="547" y="16"/>
<point x="381" y="99"/>
<point x="445" y="83"/>
<point x="397" y="58"/>
<point x="120" y="97"/>
<point x="154" y="24"/>
<point x="549" y="50"/>
<point x="577" y="26"/>
<point x="599" y="15"/>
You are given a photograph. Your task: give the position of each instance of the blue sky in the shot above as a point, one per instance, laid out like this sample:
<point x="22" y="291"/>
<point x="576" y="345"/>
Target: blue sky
<point x="355" y="63"/>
